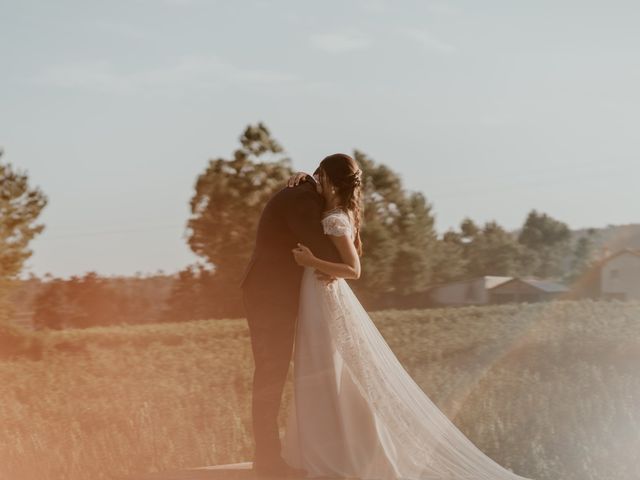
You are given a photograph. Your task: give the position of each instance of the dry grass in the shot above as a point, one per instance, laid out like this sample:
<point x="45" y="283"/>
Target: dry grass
<point x="549" y="390"/>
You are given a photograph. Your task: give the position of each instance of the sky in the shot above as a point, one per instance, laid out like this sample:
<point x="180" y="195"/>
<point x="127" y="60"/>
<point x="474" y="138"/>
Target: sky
<point x="490" y="109"/>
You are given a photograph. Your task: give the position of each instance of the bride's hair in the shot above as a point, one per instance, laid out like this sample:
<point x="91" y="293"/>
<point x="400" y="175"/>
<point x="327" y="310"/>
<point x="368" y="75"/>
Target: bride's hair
<point x="346" y="176"/>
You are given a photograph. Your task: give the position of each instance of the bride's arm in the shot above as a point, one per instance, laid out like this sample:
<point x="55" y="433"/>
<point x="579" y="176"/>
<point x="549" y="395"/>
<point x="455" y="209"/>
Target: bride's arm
<point x="349" y="269"/>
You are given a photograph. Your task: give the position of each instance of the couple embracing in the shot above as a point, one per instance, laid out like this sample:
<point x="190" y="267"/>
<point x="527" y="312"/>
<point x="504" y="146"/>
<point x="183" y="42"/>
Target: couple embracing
<point x="357" y="413"/>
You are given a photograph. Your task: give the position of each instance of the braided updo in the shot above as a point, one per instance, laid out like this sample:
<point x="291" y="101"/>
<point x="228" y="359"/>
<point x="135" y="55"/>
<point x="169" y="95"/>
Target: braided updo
<point x="346" y="176"/>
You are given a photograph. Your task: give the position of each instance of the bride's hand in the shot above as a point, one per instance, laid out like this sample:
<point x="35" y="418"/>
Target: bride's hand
<point x="296" y="178"/>
<point x="324" y="278"/>
<point x="303" y="256"/>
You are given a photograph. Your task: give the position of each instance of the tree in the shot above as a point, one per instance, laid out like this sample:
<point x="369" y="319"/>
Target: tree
<point x="91" y="301"/>
<point x="414" y="261"/>
<point x="20" y="206"/>
<point x="450" y="262"/>
<point x="229" y="196"/>
<point x="478" y="251"/>
<point x="49" y="306"/>
<point x="381" y="194"/>
<point x="494" y="251"/>
<point x="582" y="256"/>
<point x="189" y="296"/>
<point x="398" y="237"/>
<point x="549" y="239"/>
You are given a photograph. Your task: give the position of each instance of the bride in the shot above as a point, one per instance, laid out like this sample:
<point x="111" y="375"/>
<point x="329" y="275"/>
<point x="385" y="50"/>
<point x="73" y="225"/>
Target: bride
<point x="357" y="412"/>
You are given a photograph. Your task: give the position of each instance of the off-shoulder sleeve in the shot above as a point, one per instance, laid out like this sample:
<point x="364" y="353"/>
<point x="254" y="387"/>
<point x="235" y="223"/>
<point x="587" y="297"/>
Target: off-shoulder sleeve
<point x="337" y="225"/>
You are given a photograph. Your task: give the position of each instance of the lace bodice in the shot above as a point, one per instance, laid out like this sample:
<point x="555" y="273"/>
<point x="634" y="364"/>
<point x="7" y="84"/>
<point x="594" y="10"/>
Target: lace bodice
<point x="338" y="223"/>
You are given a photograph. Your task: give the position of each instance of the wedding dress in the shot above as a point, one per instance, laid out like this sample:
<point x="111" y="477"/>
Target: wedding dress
<point x="357" y="412"/>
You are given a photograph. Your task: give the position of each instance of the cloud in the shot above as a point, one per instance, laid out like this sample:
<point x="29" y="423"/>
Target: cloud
<point x="427" y="40"/>
<point x="340" y="42"/>
<point x="191" y="71"/>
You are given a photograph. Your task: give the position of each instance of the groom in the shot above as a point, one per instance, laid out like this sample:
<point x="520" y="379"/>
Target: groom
<point x="271" y="286"/>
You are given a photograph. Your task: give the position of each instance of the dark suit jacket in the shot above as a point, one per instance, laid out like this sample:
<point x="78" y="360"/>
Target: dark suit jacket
<point x="292" y="215"/>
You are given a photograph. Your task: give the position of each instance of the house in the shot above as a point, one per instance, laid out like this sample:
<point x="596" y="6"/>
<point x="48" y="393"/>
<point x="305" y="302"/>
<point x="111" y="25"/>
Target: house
<point x="620" y="275"/>
<point x="526" y="289"/>
<point x="613" y="276"/>
<point x="617" y="276"/>
<point x="473" y="291"/>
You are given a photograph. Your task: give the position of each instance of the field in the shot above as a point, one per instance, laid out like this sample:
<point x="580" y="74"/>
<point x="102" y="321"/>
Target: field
<point x="550" y="390"/>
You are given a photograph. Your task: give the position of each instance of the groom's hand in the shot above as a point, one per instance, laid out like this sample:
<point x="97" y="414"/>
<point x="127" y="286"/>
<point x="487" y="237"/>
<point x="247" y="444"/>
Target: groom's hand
<point x="324" y="278"/>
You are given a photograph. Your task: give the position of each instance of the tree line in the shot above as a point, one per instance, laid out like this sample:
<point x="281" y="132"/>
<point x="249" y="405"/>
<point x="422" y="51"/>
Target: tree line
<point x="403" y="254"/>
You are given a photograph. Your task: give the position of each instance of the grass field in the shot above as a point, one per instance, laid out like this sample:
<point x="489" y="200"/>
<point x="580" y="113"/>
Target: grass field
<point x="550" y="390"/>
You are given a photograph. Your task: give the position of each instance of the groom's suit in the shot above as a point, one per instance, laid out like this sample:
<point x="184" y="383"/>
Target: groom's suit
<point x="271" y="286"/>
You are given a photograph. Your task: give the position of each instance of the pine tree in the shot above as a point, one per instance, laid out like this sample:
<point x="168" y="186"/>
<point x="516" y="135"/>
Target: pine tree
<point x="20" y="207"/>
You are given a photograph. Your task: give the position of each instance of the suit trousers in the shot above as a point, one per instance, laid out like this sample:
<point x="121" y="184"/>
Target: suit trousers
<point x="272" y="331"/>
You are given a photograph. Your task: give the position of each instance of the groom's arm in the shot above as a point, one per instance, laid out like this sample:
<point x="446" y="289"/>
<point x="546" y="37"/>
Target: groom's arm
<point x="303" y="215"/>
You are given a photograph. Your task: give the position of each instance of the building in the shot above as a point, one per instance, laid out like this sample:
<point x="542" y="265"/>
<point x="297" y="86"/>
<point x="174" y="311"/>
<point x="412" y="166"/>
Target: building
<point x="614" y="276"/>
<point x="620" y="275"/>
<point x="527" y="289"/>
<point x="473" y="291"/>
